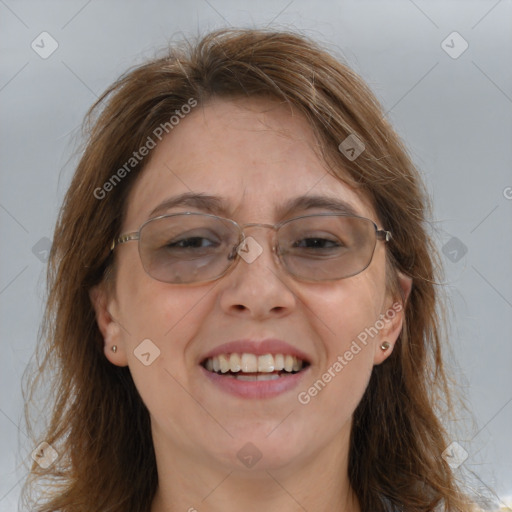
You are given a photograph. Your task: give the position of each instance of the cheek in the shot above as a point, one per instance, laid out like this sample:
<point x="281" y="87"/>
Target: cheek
<point x="343" y="316"/>
<point x="152" y="309"/>
<point x="157" y="322"/>
<point x="170" y="319"/>
<point x="345" y="310"/>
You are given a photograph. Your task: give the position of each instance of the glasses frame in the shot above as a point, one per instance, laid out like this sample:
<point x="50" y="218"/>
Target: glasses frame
<point x="380" y="234"/>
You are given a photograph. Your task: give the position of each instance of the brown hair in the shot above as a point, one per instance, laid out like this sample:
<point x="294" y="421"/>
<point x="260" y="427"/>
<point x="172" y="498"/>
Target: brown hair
<point x="99" y="424"/>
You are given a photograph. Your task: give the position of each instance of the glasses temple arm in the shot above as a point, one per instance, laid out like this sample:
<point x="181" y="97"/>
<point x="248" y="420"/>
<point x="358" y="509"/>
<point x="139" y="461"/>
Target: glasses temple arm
<point x="124" y="238"/>
<point x="382" y="234"/>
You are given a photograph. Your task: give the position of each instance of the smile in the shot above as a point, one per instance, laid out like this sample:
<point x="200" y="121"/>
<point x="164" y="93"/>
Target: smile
<point x="251" y="376"/>
<point x="235" y="364"/>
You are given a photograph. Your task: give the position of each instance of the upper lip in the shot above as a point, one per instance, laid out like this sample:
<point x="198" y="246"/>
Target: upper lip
<point x="259" y="348"/>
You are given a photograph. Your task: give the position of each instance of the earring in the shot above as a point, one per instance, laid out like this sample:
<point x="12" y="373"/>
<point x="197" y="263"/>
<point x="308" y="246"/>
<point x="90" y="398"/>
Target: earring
<point x="385" y="345"/>
<point x="114" y="348"/>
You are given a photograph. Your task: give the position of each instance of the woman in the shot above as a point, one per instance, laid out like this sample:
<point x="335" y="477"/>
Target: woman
<point x="242" y="308"/>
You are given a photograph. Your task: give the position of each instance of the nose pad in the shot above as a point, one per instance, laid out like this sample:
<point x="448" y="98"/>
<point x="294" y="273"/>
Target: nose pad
<point x="232" y="255"/>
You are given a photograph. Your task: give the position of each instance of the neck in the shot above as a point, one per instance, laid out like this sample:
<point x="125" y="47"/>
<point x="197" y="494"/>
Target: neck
<point x="318" y="482"/>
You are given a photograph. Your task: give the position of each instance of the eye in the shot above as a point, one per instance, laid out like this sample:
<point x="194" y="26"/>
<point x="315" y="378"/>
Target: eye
<point x="191" y="242"/>
<point x="317" y="243"/>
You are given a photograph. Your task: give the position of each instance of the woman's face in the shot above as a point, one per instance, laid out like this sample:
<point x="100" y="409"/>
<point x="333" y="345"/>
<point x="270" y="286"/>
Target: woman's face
<point x="254" y="156"/>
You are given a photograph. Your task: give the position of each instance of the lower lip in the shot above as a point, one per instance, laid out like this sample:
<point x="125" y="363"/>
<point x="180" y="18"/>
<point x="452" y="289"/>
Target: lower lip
<point x="255" y="389"/>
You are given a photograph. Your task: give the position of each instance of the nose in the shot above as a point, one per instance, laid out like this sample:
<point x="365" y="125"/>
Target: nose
<point x="258" y="286"/>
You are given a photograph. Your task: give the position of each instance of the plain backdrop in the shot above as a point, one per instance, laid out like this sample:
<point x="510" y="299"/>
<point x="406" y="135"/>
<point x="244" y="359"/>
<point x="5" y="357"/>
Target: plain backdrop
<point x="451" y="107"/>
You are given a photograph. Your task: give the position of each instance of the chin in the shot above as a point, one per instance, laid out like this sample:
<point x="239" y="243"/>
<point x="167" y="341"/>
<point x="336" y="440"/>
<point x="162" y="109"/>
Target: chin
<point x="252" y="450"/>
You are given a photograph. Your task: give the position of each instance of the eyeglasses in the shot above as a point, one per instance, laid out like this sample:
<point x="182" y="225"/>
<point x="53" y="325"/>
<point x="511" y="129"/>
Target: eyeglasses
<point x="198" y="247"/>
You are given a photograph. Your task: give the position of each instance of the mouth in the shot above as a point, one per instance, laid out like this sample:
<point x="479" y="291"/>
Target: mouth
<point x="252" y="367"/>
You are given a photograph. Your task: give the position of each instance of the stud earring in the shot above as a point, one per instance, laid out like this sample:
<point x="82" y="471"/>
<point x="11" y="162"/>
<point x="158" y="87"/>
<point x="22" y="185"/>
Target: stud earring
<point x="385" y="345"/>
<point x="114" y="348"/>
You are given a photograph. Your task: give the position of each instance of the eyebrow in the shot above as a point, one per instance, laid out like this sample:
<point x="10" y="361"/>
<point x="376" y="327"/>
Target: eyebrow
<point x="215" y="205"/>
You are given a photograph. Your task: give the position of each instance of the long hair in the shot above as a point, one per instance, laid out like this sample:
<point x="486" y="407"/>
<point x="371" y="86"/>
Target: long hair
<point x="97" y="422"/>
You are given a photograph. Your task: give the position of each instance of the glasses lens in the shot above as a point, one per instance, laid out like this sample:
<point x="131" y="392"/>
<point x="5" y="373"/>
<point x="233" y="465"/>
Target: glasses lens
<point x="327" y="247"/>
<point x="186" y="248"/>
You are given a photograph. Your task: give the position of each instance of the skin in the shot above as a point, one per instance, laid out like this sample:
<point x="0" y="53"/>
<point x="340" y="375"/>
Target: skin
<point x="254" y="153"/>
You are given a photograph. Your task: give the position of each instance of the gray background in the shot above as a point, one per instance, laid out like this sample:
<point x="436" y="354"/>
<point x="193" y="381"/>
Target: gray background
<point x="454" y="114"/>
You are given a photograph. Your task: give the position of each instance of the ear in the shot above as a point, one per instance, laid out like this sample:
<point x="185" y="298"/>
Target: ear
<point x="107" y="324"/>
<point x="392" y="319"/>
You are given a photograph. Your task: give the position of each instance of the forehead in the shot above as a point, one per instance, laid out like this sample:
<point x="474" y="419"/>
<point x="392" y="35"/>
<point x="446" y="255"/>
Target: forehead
<point x="254" y="156"/>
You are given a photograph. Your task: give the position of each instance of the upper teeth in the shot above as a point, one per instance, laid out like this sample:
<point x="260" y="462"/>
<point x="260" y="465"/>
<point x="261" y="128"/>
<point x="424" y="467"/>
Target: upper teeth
<point x="250" y="363"/>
